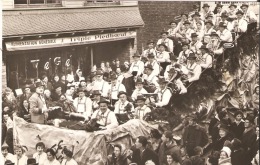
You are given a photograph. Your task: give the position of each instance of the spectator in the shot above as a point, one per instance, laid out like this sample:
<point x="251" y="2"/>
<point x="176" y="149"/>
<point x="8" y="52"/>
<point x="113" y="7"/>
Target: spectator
<point x="238" y="153"/>
<point x="5" y="154"/>
<point x="68" y="158"/>
<point x="24" y="110"/>
<point x="20" y="158"/>
<point x="238" y="126"/>
<point x="155" y="140"/>
<point x="117" y="158"/>
<point x="51" y="158"/>
<point x="225" y="156"/>
<point x="172" y="159"/>
<point x="197" y="158"/>
<point x="40" y="156"/>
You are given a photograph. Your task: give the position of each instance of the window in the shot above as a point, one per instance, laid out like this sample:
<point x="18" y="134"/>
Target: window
<point x="36" y="2"/>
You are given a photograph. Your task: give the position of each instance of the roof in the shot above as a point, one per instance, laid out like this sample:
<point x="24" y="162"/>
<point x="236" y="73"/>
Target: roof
<point x="27" y="22"/>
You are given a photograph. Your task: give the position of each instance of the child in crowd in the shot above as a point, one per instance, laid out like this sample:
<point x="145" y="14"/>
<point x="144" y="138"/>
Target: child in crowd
<point x="40" y="156"/>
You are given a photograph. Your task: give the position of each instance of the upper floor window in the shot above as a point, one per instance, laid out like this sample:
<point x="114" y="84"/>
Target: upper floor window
<point x="36" y="2"/>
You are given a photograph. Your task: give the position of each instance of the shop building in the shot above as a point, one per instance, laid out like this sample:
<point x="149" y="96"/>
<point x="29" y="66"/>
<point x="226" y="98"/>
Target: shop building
<point x="81" y="33"/>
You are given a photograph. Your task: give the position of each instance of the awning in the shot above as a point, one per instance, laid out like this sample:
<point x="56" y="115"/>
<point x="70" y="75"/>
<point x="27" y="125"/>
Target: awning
<point x="30" y="22"/>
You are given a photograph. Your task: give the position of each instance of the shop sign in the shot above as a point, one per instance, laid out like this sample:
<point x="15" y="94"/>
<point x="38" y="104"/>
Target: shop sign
<point x="68" y="41"/>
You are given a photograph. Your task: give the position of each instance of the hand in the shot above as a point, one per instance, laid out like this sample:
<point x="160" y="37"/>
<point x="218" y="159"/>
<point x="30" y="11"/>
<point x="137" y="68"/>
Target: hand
<point x="129" y="152"/>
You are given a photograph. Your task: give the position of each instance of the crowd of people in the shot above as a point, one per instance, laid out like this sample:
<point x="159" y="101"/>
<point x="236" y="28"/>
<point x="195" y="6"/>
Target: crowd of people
<point x="113" y="94"/>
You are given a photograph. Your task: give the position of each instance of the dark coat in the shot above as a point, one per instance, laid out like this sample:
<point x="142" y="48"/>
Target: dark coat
<point x="238" y="130"/>
<point x="147" y="154"/>
<point x="112" y="160"/>
<point x="238" y="156"/>
<point x="197" y="160"/>
<point x="23" y="112"/>
<point x="248" y="141"/>
<point x="195" y="136"/>
<point x="168" y="150"/>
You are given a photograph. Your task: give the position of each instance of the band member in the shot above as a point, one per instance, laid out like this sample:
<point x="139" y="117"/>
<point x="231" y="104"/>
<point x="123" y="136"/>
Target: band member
<point x="141" y="110"/>
<point x="205" y="60"/>
<point x="184" y="18"/>
<point x="240" y="25"/>
<point x="189" y="30"/>
<point x="106" y="118"/>
<point x="154" y="63"/>
<point x="249" y="16"/>
<point x="114" y="88"/>
<point x="206" y="11"/>
<point x="164" y="94"/>
<point x="82" y="104"/>
<point x="137" y="67"/>
<point x="162" y="55"/>
<point x="182" y="59"/>
<point x="100" y="84"/>
<point x="38" y="107"/>
<point x="96" y="98"/>
<point x="195" y="44"/>
<point x="173" y="30"/>
<point x="195" y="20"/>
<point x="208" y="29"/>
<point x="150" y="80"/>
<point x="214" y="45"/>
<point x="230" y="25"/>
<point x="232" y="11"/>
<point x="150" y="50"/>
<point x="175" y="82"/>
<point x="224" y="34"/>
<point x="166" y="41"/>
<point x="196" y="8"/>
<point x="122" y="103"/>
<point x="139" y="89"/>
<point x="194" y="69"/>
<point x="218" y="14"/>
<point x="174" y="60"/>
<point x="200" y="30"/>
<point x="211" y="18"/>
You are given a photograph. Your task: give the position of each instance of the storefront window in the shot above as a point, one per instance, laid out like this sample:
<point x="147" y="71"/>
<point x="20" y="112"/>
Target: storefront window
<point x="20" y="1"/>
<point x="35" y="2"/>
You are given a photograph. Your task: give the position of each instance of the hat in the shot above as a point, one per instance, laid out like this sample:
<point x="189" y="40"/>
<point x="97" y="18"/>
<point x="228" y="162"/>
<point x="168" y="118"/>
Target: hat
<point x="194" y="35"/>
<point x="136" y="55"/>
<point x="121" y="93"/>
<point x="244" y="4"/>
<point x="57" y="86"/>
<point x="162" y="80"/>
<point x="191" y="56"/>
<point x="139" y="81"/>
<point x="205" y="5"/>
<point x="184" y="14"/>
<point x="31" y="161"/>
<point x="99" y="72"/>
<point x="39" y="84"/>
<point x="224" y="14"/>
<point x="204" y="47"/>
<point x="250" y="118"/>
<point x="222" y="24"/>
<point x="227" y="150"/>
<point x="232" y="4"/>
<point x="196" y="14"/>
<point x="224" y="127"/>
<point x="209" y="15"/>
<point x="113" y="77"/>
<point x="140" y="97"/>
<point x="103" y="101"/>
<point x="8" y="162"/>
<point x="210" y="22"/>
<point x="214" y="34"/>
<point x="27" y="86"/>
<point x="239" y="12"/>
<point x="96" y="92"/>
<point x="164" y="32"/>
<point x="186" y="22"/>
<point x="149" y="42"/>
<point x="173" y="22"/>
<point x="238" y="112"/>
<point x="162" y="45"/>
<point x="151" y="55"/>
<point x="219" y="5"/>
<point x="149" y="66"/>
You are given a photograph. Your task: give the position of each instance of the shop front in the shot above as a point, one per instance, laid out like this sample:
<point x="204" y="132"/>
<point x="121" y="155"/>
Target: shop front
<point x="30" y="55"/>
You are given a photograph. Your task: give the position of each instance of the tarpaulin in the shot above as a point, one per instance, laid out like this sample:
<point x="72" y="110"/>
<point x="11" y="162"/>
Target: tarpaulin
<point x="89" y="147"/>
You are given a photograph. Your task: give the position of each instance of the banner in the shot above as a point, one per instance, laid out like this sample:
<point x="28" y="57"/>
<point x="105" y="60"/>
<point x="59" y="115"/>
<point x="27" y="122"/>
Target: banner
<point x="68" y="41"/>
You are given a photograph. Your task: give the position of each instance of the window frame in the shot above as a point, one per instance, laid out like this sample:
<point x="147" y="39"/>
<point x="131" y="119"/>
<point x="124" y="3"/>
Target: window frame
<point x="44" y="4"/>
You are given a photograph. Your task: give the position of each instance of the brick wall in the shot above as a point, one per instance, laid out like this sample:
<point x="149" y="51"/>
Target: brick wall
<point x="156" y="16"/>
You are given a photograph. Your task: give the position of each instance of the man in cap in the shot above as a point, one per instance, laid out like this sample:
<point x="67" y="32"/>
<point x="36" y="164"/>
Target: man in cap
<point x="154" y="63"/>
<point x="137" y="66"/>
<point x="176" y="84"/>
<point x="114" y="88"/>
<point x="248" y="138"/>
<point x="150" y="49"/>
<point x="106" y="118"/>
<point x="182" y="58"/>
<point x="224" y="18"/>
<point x="194" y="69"/>
<point x="164" y="94"/>
<point x="150" y="80"/>
<point x="195" y="43"/>
<point x="96" y="95"/>
<point x="219" y="10"/>
<point x="211" y="18"/>
<point x="206" y="11"/>
<point x="215" y="45"/>
<point x="194" y="135"/>
<point x="100" y="84"/>
<point x="38" y="106"/>
<point x="174" y="60"/>
<point x="27" y="93"/>
<point x="195" y="20"/>
<point x="240" y="25"/>
<point x="83" y="104"/>
<point x="122" y="103"/>
<point x="205" y="60"/>
<point x="169" y="147"/>
<point x="249" y="16"/>
<point x="142" y="109"/>
<point x="224" y="34"/>
<point x="173" y="30"/>
<point x="188" y="30"/>
<point x="208" y="30"/>
<point x="196" y="8"/>
<point x="232" y="11"/>
<point x="162" y="56"/>
<point x="139" y="89"/>
<point x="184" y="17"/>
<point x="166" y="41"/>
